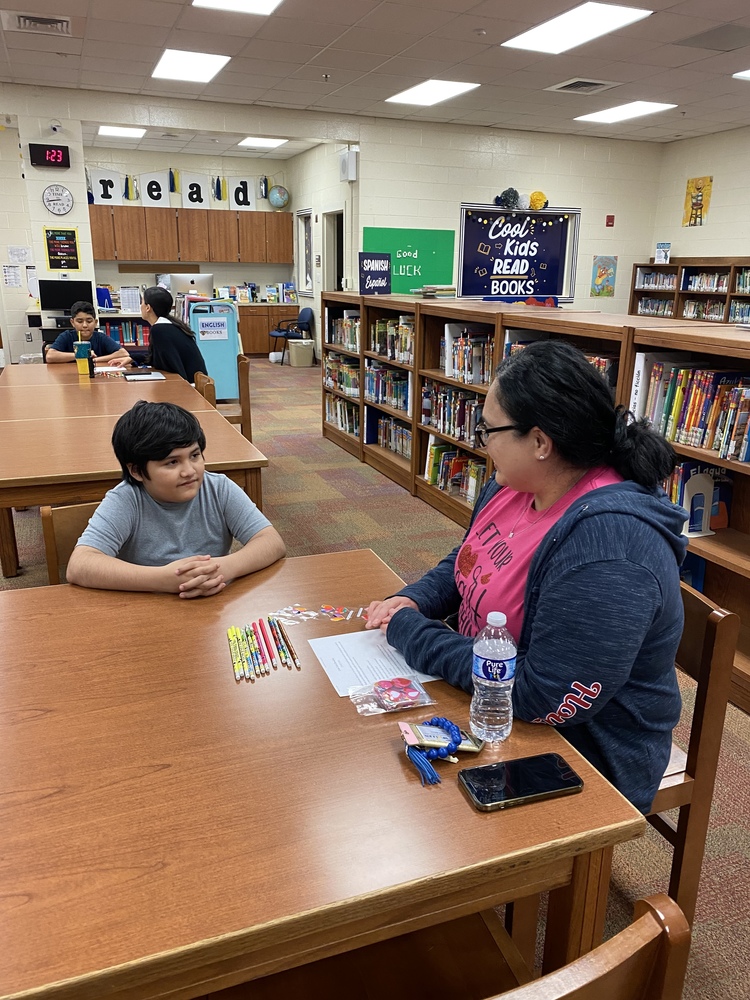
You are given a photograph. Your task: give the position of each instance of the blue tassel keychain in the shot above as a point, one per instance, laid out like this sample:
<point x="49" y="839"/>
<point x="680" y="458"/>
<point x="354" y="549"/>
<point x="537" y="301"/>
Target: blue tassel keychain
<point x="422" y="759"/>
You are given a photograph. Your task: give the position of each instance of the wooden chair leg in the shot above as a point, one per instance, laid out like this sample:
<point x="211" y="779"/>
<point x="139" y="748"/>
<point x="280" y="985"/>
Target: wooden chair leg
<point x="690" y="845"/>
<point x="521" y="920"/>
<point x="575" y="918"/>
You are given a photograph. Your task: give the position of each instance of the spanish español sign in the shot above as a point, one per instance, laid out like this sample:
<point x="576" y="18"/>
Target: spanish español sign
<point x="374" y="274"/>
<point x="517" y="254"/>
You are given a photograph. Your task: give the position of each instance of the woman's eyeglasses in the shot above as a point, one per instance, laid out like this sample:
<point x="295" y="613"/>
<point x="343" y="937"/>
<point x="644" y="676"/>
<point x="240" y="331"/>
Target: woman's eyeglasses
<point x="482" y="433"/>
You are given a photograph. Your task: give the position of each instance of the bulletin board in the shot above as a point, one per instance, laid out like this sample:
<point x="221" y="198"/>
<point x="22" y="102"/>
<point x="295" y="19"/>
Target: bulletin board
<point x="418" y="256"/>
<point x="515" y="254"/>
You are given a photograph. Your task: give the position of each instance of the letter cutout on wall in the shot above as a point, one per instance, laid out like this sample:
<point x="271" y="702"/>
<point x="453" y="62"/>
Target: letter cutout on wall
<point x="106" y="186"/>
<point x="195" y="190"/>
<point x="155" y="189"/>
<point x="242" y="193"/>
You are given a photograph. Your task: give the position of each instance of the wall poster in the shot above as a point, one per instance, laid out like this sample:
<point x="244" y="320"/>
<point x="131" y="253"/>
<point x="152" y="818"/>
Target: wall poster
<point x="515" y="254"/>
<point x="61" y="247"/>
<point x="697" y="201"/>
<point x="603" y="277"/>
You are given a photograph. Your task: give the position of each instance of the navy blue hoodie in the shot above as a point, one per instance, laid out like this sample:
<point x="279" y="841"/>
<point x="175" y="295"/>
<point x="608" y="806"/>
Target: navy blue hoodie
<point x="602" y="622"/>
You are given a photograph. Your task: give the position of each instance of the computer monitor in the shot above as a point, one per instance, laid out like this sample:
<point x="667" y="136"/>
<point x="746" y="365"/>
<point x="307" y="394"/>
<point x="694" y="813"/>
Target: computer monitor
<point x="58" y="296"/>
<point x="198" y="284"/>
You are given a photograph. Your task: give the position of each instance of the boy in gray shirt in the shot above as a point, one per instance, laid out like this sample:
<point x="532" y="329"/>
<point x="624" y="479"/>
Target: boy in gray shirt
<point x="168" y="526"/>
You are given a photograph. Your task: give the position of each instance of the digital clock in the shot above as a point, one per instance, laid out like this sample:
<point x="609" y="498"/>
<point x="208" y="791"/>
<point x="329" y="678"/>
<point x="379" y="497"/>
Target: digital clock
<point x="42" y="155"/>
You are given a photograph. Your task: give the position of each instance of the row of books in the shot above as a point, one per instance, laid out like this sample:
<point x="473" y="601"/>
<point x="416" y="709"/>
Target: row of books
<point x="720" y="500"/>
<point x="739" y="312"/>
<point x="342" y="414"/>
<point x="339" y="373"/>
<point x="467" y="354"/>
<point x="608" y="365"/>
<point x="743" y="281"/>
<point x="656" y="307"/>
<point x="394" y="339"/>
<point x="709" y="310"/>
<point x="283" y="292"/>
<point x="128" y="332"/>
<point x="453" y="471"/>
<point x="656" y="280"/>
<point x="390" y="386"/>
<point x="343" y="331"/>
<point x="394" y="436"/>
<point x="706" y="282"/>
<point x="451" y="411"/>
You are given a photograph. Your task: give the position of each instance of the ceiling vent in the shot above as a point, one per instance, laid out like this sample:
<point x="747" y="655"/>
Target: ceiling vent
<point x="13" y="20"/>
<point x="581" y="86"/>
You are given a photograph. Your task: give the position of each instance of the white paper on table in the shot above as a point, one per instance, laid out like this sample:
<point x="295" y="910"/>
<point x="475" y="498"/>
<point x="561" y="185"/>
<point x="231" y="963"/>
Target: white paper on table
<point x="358" y="659"/>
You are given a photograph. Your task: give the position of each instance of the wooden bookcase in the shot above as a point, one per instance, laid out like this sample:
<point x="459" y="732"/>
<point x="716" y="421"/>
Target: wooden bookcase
<point x="333" y="307"/>
<point x="710" y="289"/>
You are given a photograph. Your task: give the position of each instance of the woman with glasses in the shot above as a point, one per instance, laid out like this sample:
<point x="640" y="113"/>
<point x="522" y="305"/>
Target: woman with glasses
<point x="575" y="541"/>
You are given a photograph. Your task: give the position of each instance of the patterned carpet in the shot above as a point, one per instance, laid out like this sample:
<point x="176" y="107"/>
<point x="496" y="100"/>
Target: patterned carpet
<point x="321" y="500"/>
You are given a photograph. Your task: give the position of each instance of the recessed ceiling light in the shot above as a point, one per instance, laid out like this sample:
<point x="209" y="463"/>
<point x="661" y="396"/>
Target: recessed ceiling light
<point x="744" y="75"/>
<point x="262" y="7"/>
<point x="262" y="143"/>
<point x="620" y="114"/>
<point x="590" y="20"/>
<point x="122" y="132"/>
<point x="431" y="92"/>
<point x="195" y="67"/>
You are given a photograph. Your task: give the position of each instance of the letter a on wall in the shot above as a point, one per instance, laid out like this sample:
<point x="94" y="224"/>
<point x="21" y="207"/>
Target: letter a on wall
<point x="106" y="186"/>
<point x="155" y="189"/>
<point x="195" y="190"/>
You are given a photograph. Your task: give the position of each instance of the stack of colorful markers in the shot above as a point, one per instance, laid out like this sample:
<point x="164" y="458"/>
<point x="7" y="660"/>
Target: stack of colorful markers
<point x="256" y="647"/>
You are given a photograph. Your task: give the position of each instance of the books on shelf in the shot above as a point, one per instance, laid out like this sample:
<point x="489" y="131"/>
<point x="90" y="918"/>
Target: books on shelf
<point x="287" y="292"/>
<point x="128" y="332"/>
<point x="342" y="414"/>
<point x="343" y="331"/>
<point x="705" y="281"/>
<point x="453" y="471"/>
<point x="390" y="386"/>
<point x="468" y="354"/>
<point x="388" y="432"/>
<point x="721" y="502"/>
<point x="655" y="281"/>
<point x="340" y="373"/>
<point x="435" y="291"/>
<point x="451" y="411"/>
<point x="708" y="310"/>
<point x="656" y="307"/>
<point x="394" y="339"/>
<point x="272" y="294"/>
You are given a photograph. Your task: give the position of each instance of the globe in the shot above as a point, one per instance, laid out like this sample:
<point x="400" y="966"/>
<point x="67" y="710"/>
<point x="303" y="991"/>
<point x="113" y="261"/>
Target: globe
<point x="278" y="196"/>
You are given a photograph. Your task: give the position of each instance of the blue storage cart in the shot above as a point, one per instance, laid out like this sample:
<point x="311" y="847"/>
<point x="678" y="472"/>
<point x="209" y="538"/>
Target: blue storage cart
<point x="216" y="327"/>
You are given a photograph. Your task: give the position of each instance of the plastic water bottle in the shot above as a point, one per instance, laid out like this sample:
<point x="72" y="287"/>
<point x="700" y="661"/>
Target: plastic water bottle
<point x="494" y="668"/>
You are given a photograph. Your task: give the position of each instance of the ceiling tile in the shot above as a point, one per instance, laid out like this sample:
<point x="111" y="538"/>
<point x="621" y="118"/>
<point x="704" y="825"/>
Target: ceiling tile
<point x="129" y="33"/>
<point x="204" y="41"/>
<point x="445" y="48"/>
<point x="362" y="61"/>
<point x="388" y="43"/>
<point x="224" y="22"/>
<point x="329" y="11"/>
<point x="412" y="20"/>
<point x="141" y="12"/>
<point x="283" y="52"/>
<point x="308" y="32"/>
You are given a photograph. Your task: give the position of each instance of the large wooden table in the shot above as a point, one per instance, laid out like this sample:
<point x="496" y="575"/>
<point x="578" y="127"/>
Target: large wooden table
<point x="55" y="440"/>
<point x="166" y="831"/>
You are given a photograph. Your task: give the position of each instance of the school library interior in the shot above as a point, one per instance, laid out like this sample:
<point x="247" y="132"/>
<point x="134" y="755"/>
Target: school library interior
<point x="347" y="241"/>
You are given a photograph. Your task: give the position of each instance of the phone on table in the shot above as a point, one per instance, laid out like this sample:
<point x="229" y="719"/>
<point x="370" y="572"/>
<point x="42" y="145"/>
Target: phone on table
<point x="512" y="782"/>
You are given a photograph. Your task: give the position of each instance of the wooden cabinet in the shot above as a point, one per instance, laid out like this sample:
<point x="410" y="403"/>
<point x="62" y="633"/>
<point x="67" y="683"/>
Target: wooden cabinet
<point x="279" y="237"/>
<point x="192" y="232"/>
<point x="130" y="232"/>
<point x="257" y="321"/>
<point x="707" y="289"/>
<point x="102" y="232"/>
<point x="161" y="233"/>
<point x="223" y="236"/>
<point x="252" y="236"/>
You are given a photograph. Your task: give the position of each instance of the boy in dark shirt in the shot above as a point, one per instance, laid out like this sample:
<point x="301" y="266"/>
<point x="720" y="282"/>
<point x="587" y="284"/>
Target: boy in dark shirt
<point x="83" y="320"/>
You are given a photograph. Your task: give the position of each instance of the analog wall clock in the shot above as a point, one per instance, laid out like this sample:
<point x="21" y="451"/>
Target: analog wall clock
<point x="57" y="199"/>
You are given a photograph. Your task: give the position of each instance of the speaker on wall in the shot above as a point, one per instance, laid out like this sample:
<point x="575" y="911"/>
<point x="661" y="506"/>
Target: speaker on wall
<point x="347" y="165"/>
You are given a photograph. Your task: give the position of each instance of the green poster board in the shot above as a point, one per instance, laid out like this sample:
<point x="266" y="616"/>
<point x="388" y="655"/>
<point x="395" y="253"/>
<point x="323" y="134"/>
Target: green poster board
<point x="418" y="256"/>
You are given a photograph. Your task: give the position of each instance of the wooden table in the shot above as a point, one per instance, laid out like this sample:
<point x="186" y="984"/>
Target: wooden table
<point x="166" y="831"/>
<point x="56" y="434"/>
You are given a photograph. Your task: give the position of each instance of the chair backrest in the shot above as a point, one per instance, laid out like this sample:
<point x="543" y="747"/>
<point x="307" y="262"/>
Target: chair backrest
<point x="206" y="387"/>
<point x="305" y="320"/>
<point x="706" y="653"/>
<point x="646" y="961"/>
<point x="243" y="378"/>
<point x="61" y="528"/>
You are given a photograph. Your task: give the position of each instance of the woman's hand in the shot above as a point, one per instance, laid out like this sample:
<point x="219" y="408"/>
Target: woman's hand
<point x="380" y="613"/>
<point x="120" y="363"/>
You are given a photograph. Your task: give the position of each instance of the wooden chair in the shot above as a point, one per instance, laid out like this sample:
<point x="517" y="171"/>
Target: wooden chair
<point x="206" y="387"/>
<point x="240" y="415"/>
<point x="706" y="653"/>
<point x="61" y="528"/>
<point x="470" y="959"/>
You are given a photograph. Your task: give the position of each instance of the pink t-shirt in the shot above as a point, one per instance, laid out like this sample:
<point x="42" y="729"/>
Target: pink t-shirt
<point x="493" y="563"/>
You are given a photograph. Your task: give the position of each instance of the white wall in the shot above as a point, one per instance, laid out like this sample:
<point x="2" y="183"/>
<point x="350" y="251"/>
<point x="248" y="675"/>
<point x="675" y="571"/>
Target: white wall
<point x="15" y="230"/>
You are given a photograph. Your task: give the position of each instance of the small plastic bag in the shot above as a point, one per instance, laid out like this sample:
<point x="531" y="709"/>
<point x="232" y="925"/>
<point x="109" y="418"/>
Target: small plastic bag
<point x="392" y="695"/>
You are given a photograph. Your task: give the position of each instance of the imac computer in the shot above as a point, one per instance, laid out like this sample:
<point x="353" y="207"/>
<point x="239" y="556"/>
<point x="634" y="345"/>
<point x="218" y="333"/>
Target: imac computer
<point x="197" y="284"/>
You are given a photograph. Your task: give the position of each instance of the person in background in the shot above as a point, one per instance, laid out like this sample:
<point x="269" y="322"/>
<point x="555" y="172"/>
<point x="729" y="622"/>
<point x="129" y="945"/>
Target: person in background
<point x="576" y="542"/>
<point x="83" y="321"/>
<point x="169" y="525"/>
<point x="172" y="346"/>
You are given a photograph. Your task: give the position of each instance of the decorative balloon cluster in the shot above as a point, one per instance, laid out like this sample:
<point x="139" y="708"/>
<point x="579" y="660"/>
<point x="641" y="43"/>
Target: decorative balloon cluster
<point x="510" y="198"/>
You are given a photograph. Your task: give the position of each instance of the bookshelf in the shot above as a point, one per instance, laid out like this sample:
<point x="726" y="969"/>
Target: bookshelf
<point x="341" y="365"/>
<point x="711" y="289"/>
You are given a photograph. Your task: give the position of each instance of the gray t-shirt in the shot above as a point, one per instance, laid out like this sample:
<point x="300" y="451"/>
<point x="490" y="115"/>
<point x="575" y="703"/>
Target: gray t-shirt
<point x="132" y="526"/>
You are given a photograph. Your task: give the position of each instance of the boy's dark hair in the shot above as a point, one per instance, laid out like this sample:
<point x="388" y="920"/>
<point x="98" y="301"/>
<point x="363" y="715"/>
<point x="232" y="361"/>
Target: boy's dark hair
<point x="148" y="432"/>
<point x="82" y="307"/>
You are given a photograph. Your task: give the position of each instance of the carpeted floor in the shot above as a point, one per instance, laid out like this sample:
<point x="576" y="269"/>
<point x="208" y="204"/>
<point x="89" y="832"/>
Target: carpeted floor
<point x="321" y="500"/>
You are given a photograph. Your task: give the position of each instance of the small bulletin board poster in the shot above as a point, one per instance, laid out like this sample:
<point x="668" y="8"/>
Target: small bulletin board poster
<point x="418" y="256"/>
<point x="603" y="277"/>
<point x="61" y="247"/>
<point x="516" y="254"/>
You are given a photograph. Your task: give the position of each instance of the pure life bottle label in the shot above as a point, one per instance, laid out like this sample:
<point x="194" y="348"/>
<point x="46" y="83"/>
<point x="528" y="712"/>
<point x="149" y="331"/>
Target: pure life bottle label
<point x="494" y="670"/>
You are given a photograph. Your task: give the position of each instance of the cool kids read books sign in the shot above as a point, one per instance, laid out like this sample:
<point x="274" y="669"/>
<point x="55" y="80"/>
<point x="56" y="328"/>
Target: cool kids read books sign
<point x="515" y="254"/>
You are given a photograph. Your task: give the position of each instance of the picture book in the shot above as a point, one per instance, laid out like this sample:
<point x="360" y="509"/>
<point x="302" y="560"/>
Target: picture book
<point x="272" y="294"/>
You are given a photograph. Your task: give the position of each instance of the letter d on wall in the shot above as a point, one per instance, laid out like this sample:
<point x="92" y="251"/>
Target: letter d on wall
<point x="242" y="193"/>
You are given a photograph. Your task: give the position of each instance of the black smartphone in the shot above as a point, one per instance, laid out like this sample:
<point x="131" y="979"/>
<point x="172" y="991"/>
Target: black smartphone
<point x="511" y="782"/>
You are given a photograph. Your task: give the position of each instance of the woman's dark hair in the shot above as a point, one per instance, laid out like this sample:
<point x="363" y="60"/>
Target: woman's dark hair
<point x="82" y="307"/>
<point x="162" y="303"/>
<point x="148" y="432"/>
<point x="551" y="385"/>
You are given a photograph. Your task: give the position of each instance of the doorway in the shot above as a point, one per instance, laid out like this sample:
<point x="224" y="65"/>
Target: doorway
<point x="333" y="251"/>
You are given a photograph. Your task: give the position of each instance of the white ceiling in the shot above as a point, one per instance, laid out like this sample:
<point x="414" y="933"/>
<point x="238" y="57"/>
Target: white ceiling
<point x="176" y="140"/>
<point x="348" y="56"/>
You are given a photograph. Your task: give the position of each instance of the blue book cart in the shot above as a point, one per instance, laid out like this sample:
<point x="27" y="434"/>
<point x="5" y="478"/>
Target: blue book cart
<point x="215" y="324"/>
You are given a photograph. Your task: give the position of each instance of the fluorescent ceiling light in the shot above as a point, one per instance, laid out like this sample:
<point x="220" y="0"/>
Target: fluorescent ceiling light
<point x="262" y="143"/>
<point x="633" y="110"/>
<point x="240" y="6"/>
<point x="431" y="92"/>
<point x="195" y="67"/>
<point x="590" y="20"/>
<point x="744" y="75"/>
<point x="122" y="132"/>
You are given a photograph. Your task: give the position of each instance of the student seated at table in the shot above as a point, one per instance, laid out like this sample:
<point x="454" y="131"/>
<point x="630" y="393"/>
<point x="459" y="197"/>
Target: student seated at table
<point x="83" y="321"/>
<point x="575" y="541"/>
<point x="168" y="526"/>
<point x="172" y="346"/>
